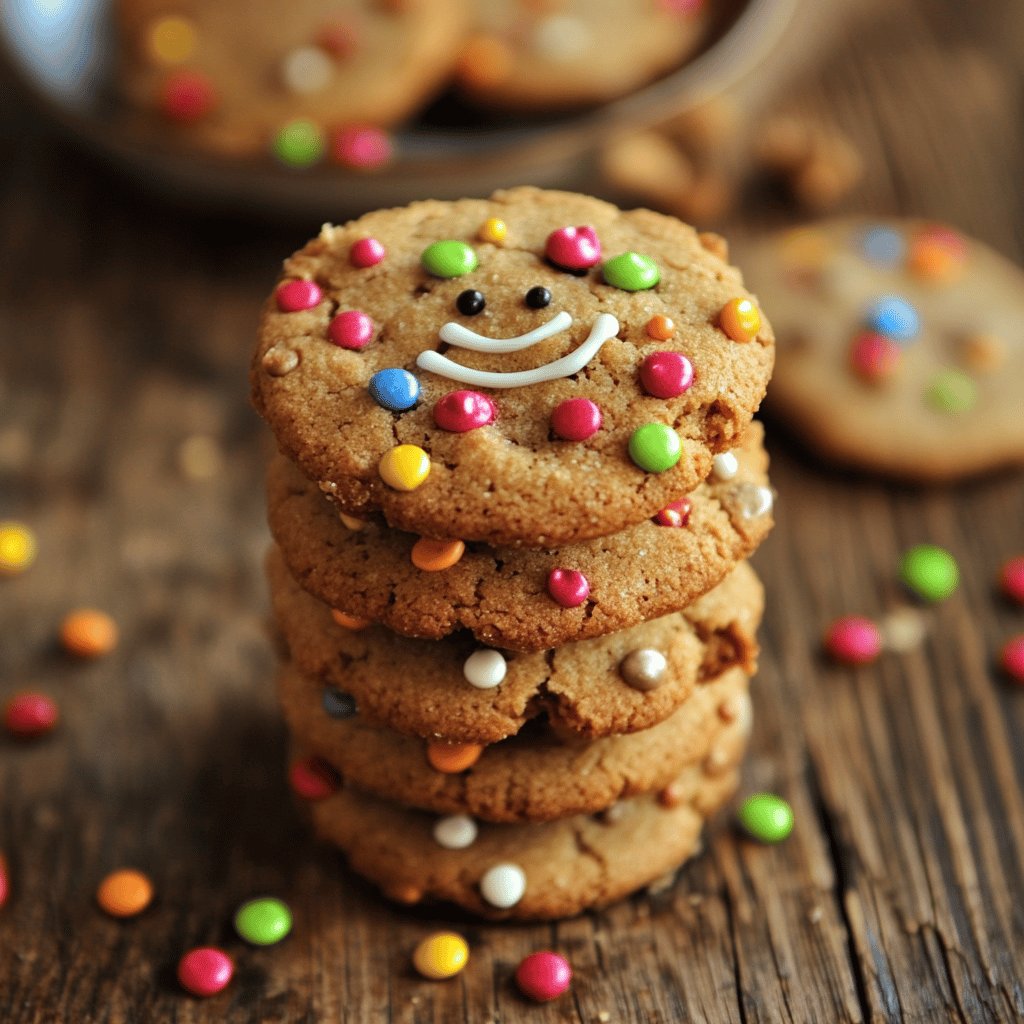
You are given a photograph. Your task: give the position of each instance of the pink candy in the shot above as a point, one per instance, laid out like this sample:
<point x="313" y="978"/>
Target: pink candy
<point x="666" y="374"/>
<point x="362" y="148"/>
<point x="1012" y="658"/>
<point x="874" y="357"/>
<point x="544" y="976"/>
<point x="1011" y="579"/>
<point x="853" y="640"/>
<point x="459" y="411"/>
<point x="568" y="587"/>
<point x="295" y="296"/>
<point x="576" y="419"/>
<point x="367" y="252"/>
<point x="313" y="778"/>
<point x="351" y="329"/>
<point x="676" y="513"/>
<point x="205" y="971"/>
<point x="573" y="248"/>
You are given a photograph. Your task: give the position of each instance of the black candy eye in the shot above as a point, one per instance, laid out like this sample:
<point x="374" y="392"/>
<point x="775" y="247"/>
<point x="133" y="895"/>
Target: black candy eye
<point x="470" y="302"/>
<point x="538" y="297"/>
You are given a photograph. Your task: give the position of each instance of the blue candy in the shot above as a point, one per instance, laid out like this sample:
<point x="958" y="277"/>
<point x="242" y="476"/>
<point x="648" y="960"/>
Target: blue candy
<point x="883" y="246"/>
<point x="338" y="704"/>
<point x="396" y="390"/>
<point x="894" y="317"/>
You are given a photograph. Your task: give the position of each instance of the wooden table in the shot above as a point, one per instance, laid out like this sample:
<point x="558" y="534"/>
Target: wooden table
<point x="124" y="333"/>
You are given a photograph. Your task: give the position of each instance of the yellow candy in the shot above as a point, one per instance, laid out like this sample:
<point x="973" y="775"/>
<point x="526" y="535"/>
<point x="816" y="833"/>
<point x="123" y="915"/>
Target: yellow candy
<point x="172" y="40"/>
<point x="404" y="468"/>
<point x="17" y="548"/>
<point x="351" y="523"/>
<point x="493" y="230"/>
<point x="441" y="955"/>
<point x="740" y="319"/>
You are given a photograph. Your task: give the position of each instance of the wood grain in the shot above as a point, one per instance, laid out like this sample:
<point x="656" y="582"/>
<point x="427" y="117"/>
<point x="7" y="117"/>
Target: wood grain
<point x="124" y="330"/>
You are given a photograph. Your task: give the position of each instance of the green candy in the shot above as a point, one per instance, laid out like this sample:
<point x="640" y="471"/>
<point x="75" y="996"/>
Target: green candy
<point x="952" y="391"/>
<point x="299" y="144"/>
<point x="766" y="817"/>
<point x="631" y="272"/>
<point x="449" y="259"/>
<point x="655" y="447"/>
<point x="930" y="572"/>
<point x="263" y="921"/>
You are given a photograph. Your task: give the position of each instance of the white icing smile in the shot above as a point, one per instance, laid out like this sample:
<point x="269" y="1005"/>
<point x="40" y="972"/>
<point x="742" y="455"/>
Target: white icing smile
<point x="605" y="327"/>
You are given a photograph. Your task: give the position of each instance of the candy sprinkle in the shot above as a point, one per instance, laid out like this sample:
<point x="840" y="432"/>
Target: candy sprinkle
<point x="766" y="817"/>
<point x="205" y="971"/>
<point x="449" y="258"/>
<point x="1011" y="579"/>
<point x="452" y="758"/>
<point x="568" y="587"/>
<point x="430" y="555"/>
<point x="263" y="921"/>
<point x="655" y="447"/>
<point x="405" y="467"/>
<point x="493" y="230"/>
<point x="740" y="319"/>
<point x="30" y="715"/>
<point x="631" y="271"/>
<point x="894" y="317"/>
<point x="441" y="955"/>
<point x="1011" y="658"/>
<point x="952" y="391"/>
<point x="17" y="547"/>
<point x="5" y="881"/>
<point x="544" y="976"/>
<point x="124" y="893"/>
<point x="676" y="513"/>
<point x="930" y="572"/>
<point x="88" y="633"/>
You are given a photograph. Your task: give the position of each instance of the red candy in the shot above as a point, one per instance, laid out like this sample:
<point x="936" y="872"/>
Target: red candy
<point x="576" y="419"/>
<point x="568" y="587"/>
<point x="573" y="248"/>
<point x="1012" y="658"/>
<point x="459" y="411"/>
<point x="295" y="296"/>
<point x="351" y="329"/>
<point x="367" y="252"/>
<point x="874" y="357"/>
<point x="313" y="778"/>
<point x="677" y="513"/>
<point x="205" y="971"/>
<point x="1011" y="578"/>
<point x="544" y="976"/>
<point x="361" y="148"/>
<point x="5" y="881"/>
<point x="853" y="640"/>
<point x="187" y="96"/>
<point x="666" y="374"/>
<point x="30" y="714"/>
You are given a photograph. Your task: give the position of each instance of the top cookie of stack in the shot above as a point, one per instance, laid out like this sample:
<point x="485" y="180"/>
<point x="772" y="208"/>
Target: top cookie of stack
<point x="535" y="369"/>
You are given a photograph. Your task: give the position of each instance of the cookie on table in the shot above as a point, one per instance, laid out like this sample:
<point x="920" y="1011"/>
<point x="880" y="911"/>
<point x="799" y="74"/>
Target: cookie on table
<point x="233" y="75"/>
<point x="535" y="368"/>
<point x="538" y="870"/>
<point x="533" y="776"/>
<point x="521" y="598"/>
<point x="569" y="53"/>
<point x="626" y="681"/>
<point x="900" y="345"/>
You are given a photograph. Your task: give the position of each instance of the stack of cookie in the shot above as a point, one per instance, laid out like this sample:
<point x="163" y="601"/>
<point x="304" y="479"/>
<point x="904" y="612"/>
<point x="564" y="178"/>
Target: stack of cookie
<point x="517" y="484"/>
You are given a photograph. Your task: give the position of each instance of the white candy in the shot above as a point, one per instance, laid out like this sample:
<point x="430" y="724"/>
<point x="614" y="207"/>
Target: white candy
<point x="503" y="885"/>
<point x="307" y="70"/>
<point x="725" y="466"/>
<point x="485" y="669"/>
<point x="562" y="37"/>
<point x="455" y="832"/>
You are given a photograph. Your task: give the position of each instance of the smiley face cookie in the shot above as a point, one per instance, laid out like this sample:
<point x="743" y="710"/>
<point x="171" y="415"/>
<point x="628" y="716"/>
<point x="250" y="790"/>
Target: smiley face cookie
<point x="569" y="53"/>
<point x="239" y="77"/>
<point x="900" y="346"/>
<point x="538" y="368"/>
<point x="463" y="692"/>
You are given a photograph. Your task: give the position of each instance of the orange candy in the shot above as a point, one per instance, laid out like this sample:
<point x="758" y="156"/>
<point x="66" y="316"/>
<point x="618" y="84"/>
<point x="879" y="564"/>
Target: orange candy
<point x="740" y="319"/>
<point x="936" y="257"/>
<point x="435" y="555"/>
<point x="452" y="758"/>
<point x="125" y="893"/>
<point x="484" y="61"/>
<point x="88" y="633"/>
<point x="661" y="328"/>
<point x="352" y="622"/>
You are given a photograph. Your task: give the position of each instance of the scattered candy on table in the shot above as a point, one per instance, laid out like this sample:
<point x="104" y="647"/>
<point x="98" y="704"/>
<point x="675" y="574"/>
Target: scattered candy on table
<point x="205" y="971"/>
<point x="124" y="893"/>
<point x="1011" y="658"/>
<point x="1011" y="579"/>
<point x="441" y="955"/>
<point x="88" y="633"/>
<point x="263" y="921"/>
<point x="299" y="143"/>
<point x="544" y="976"/>
<point x="766" y="817"/>
<point x="503" y="885"/>
<point x="930" y="572"/>
<point x="17" y="547"/>
<point x="903" y="629"/>
<point x="29" y="715"/>
<point x="854" y="640"/>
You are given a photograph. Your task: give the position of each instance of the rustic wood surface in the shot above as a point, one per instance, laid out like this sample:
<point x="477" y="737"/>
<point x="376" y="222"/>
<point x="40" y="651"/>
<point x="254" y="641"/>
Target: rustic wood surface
<point x="124" y="331"/>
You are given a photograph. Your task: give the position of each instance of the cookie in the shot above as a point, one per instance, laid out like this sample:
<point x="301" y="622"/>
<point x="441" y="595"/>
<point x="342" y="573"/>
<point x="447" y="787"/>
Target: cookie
<point x="520" y="598"/>
<point x="419" y="687"/>
<point x="237" y="77"/>
<point x="535" y="775"/>
<point x="532" y="871"/>
<point x="538" y="368"/>
<point x="527" y="57"/>
<point x="900" y="346"/>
